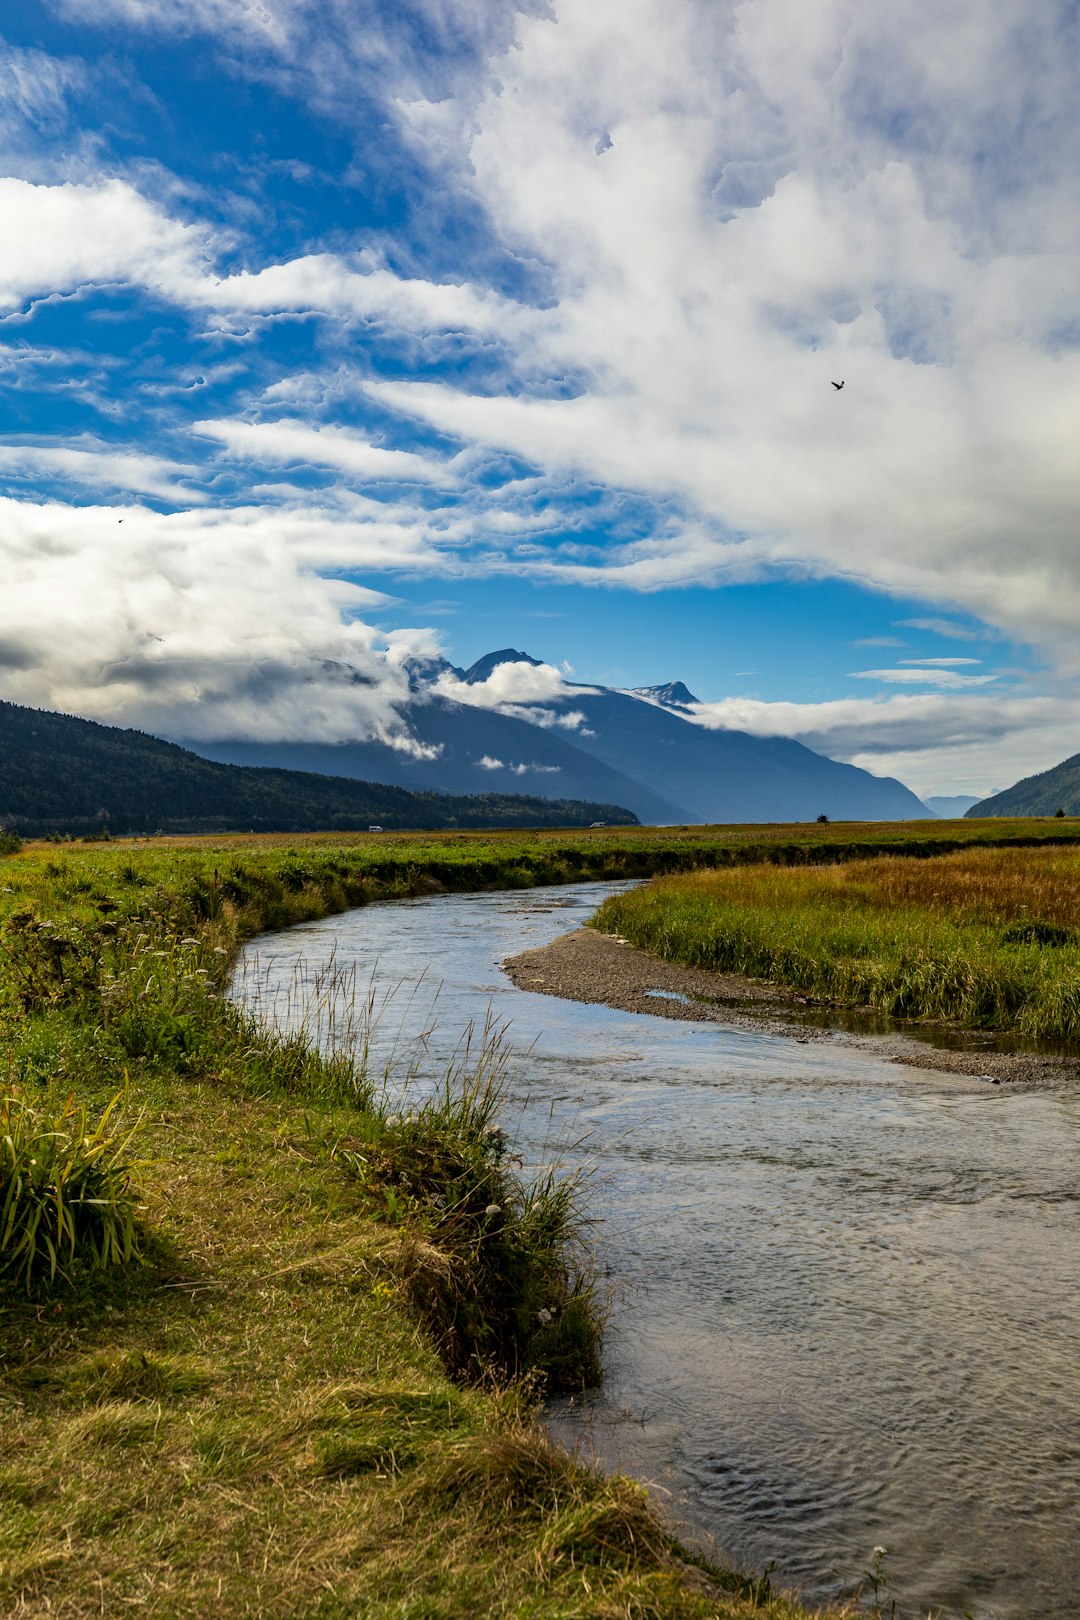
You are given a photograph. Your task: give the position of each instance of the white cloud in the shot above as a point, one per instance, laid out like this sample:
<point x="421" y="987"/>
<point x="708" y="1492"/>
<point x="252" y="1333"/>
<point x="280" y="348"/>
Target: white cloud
<point x="265" y="18"/>
<point x="523" y="690"/>
<point x="785" y="194"/>
<point x="941" y="627"/>
<point x="58" y="238"/>
<point x="197" y="623"/>
<point x="100" y="468"/>
<point x="947" y="678"/>
<point x="934" y="742"/>
<point x="762" y="224"/>
<point x="487" y="762"/>
<point x="288" y="442"/>
<point x="62" y="238"/>
<point x="327" y="284"/>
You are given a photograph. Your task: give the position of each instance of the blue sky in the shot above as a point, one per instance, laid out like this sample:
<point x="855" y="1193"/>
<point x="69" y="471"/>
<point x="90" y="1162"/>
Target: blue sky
<point x="335" y="331"/>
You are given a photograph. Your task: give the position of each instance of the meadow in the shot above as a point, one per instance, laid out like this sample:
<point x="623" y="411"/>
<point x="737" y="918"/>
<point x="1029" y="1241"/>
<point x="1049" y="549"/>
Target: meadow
<point x="985" y="938"/>
<point x="268" y="1347"/>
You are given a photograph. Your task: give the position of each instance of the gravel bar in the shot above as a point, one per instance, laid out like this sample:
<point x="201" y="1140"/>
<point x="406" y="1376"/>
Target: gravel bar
<point x="602" y="968"/>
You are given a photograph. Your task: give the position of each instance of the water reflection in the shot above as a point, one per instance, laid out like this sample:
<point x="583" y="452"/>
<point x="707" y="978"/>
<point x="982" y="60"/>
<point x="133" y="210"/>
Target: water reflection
<point x="849" y="1292"/>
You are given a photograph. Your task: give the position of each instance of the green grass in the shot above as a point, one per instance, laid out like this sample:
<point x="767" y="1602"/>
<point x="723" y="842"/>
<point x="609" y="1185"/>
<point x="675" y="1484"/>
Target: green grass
<point x="984" y="938"/>
<point x="305" y="1385"/>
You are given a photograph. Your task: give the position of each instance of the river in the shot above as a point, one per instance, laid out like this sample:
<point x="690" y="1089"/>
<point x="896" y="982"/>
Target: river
<point x="846" y="1292"/>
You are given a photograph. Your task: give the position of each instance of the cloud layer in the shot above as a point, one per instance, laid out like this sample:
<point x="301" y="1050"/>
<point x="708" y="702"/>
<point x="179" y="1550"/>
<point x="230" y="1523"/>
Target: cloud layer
<point x="589" y="339"/>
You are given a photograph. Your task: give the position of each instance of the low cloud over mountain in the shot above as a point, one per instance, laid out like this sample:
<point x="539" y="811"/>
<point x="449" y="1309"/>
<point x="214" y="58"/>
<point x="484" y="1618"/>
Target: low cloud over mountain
<point x="514" y="723"/>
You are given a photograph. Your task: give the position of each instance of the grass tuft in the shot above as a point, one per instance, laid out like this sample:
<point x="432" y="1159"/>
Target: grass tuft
<point x="68" y="1197"/>
<point x="497" y="1267"/>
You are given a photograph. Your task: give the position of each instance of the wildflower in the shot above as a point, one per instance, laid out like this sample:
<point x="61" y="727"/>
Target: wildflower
<point x="879" y="1552"/>
<point x="438" y="1200"/>
<point x="544" y="1316"/>
<point x="493" y="1209"/>
<point x="219" y="950"/>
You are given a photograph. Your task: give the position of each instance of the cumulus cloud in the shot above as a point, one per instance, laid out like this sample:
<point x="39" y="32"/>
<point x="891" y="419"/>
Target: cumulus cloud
<point x="199" y="623"/>
<point x="526" y="691"/>
<point x="759" y="228"/>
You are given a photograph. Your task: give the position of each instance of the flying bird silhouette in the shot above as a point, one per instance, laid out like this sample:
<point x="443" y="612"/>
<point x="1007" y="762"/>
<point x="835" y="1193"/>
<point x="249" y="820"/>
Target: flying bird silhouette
<point x="839" y="385"/>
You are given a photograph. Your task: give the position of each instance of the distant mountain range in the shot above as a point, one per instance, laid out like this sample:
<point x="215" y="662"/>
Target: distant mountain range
<point x="1041" y="795"/>
<point x="63" y="775"/>
<point x="639" y="748"/>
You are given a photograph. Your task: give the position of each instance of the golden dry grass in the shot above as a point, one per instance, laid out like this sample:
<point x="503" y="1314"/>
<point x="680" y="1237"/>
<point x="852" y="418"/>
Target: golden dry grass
<point x="983" y="937"/>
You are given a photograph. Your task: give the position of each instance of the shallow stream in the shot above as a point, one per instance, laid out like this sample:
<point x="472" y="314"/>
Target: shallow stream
<point x="847" y="1308"/>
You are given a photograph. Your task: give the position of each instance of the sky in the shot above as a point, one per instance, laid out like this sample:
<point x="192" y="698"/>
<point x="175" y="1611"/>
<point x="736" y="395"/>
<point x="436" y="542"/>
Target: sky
<point x="337" y="332"/>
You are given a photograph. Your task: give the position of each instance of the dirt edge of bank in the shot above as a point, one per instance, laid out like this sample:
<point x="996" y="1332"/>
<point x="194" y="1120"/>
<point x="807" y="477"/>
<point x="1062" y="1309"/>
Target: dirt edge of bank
<point x="588" y="966"/>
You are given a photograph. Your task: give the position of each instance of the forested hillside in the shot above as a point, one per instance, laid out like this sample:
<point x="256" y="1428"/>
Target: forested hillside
<point x="63" y="775"/>
<point x="1041" y="795"/>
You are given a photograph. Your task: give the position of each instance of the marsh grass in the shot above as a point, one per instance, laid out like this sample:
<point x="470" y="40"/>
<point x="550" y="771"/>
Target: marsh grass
<point x="984" y="938"/>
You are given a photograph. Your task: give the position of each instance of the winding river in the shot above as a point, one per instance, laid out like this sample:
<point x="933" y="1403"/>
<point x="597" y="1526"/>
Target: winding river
<point x="846" y="1292"/>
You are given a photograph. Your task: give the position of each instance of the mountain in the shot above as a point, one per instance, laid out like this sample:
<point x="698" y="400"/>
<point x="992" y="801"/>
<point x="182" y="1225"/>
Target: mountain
<point x="60" y="774"/>
<point x="639" y="748"/>
<point x="1041" y="795"/>
<point x="478" y="672"/>
<point x="952" y="807"/>
<point x="674" y="695"/>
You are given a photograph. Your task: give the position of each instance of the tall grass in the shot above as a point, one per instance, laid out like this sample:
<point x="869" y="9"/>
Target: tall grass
<point x="497" y="1265"/>
<point x="67" y="1192"/>
<point x="983" y="938"/>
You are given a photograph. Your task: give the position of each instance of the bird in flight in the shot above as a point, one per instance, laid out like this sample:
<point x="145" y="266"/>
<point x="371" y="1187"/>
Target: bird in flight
<point x="839" y="385"/>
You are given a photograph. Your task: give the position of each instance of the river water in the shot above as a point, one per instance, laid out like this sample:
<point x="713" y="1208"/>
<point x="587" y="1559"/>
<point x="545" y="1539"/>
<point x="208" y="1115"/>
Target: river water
<point x="846" y="1292"/>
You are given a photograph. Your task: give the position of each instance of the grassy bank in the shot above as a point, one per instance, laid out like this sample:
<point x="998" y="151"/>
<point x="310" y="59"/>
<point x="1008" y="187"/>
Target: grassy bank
<point x="984" y="937"/>
<point x="266" y="1349"/>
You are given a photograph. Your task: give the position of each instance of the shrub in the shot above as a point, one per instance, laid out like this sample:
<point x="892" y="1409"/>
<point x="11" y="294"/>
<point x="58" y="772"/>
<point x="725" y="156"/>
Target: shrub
<point x="67" y="1195"/>
<point x="10" y="842"/>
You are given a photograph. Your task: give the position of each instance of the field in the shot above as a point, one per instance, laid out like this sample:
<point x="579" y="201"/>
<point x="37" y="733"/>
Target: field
<point x="984" y="938"/>
<point x="266" y="1348"/>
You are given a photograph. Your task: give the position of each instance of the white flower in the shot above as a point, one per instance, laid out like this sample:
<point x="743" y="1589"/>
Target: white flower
<point x="543" y="1316"/>
<point x="493" y="1209"/>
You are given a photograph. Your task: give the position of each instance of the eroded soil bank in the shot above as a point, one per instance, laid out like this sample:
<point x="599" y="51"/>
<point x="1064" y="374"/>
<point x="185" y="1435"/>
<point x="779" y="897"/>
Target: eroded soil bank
<point x="600" y="968"/>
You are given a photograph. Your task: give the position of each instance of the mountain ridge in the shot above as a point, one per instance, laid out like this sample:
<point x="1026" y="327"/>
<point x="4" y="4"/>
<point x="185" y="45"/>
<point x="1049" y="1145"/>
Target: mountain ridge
<point x="638" y="747"/>
<point x="1043" y="794"/>
<point x="63" y="774"/>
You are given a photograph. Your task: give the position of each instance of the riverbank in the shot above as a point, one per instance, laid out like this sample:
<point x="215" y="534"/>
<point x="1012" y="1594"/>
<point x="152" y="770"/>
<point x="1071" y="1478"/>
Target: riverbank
<point x="592" y="967"/>
<point x="297" y="1390"/>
